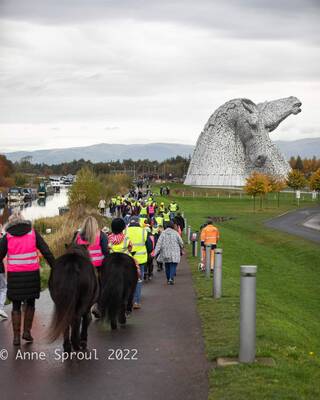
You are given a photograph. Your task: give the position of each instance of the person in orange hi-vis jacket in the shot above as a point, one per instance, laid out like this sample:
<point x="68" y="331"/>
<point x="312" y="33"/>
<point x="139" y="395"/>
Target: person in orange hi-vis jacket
<point x="209" y="236"/>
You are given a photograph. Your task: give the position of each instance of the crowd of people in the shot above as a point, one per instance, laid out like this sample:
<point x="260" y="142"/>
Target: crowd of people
<point x="141" y="211"/>
<point x="145" y="230"/>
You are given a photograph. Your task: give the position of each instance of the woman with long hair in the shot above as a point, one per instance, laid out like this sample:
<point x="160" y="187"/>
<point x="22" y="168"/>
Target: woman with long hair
<point x="97" y="243"/>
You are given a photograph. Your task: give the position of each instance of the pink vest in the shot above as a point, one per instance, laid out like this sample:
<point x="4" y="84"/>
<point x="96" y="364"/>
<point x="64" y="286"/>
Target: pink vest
<point x="95" y="250"/>
<point x="151" y="209"/>
<point x="22" y="253"/>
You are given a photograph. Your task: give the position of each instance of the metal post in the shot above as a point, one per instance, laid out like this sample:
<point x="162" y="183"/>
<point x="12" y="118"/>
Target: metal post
<point x="189" y="234"/>
<point x="208" y="261"/>
<point x="194" y="248"/>
<point x="217" y="274"/>
<point x="185" y="225"/>
<point x="247" y="351"/>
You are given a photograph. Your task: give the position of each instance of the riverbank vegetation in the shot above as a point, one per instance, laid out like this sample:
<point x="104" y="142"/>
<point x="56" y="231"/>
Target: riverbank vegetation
<point x="84" y="196"/>
<point x="287" y="301"/>
<point x="89" y="187"/>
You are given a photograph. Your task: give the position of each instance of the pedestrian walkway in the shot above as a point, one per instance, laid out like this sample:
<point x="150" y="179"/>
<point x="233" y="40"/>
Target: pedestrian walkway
<point x="166" y="332"/>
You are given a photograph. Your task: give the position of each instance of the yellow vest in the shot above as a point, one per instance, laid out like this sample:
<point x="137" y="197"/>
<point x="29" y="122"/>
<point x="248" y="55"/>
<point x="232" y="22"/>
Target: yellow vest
<point x="173" y="207"/>
<point x="154" y="230"/>
<point x="166" y="217"/>
<point x="144" y="211"/>
<point x="120" y="248"/>
<point x="138" y="237"/>
<point x="159" y="221"/>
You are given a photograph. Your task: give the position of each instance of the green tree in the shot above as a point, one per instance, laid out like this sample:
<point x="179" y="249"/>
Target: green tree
<point x="299" y="164"/>
<point x="87" y="189"/>
<point x="20" y="179"/>
<point x="296" y="180"/>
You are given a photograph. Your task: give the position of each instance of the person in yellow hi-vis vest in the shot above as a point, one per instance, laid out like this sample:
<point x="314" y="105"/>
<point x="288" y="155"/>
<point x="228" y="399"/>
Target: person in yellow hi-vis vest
<point x="118" y="241"/>
<point x="166" y="218"/>
<point x="161" y="208"/>
<point x="173" y="208"/>
<point x="141" y="246"/>
<point x="209" y="236"/>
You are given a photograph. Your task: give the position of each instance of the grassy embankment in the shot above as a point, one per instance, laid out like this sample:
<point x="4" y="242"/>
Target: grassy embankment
<point x="288" y="301"/>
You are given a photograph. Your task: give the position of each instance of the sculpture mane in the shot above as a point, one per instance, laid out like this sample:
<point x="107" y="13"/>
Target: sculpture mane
<point x="235" y="142"/>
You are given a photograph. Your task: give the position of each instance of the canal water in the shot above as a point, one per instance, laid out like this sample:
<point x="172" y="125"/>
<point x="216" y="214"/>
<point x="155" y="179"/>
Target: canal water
<point x="40" y="208"/>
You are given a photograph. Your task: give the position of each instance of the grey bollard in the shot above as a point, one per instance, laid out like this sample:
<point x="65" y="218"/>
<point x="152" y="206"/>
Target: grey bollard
<point x="185" y="225"/>
<point x="208" y="261"/>
<point x="217" y="274"/>
<point x="195" y="248"/>
<point x="247" y="351"/>
<point x="189" y="234"/>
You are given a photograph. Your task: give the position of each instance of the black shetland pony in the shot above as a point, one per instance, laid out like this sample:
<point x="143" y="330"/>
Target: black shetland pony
<point x="74" y="289"/>
<point x="118" y="284"/>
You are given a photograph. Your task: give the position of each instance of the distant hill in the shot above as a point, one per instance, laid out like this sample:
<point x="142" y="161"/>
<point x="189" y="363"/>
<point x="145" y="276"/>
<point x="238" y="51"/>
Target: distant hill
<point x="155" y="151"/>
<point x="106" y="152"/>
<point x="306" y="148"/>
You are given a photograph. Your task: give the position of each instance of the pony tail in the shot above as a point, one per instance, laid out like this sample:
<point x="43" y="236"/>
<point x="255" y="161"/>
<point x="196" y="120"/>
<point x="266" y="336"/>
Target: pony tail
<point x="65" y="305"/>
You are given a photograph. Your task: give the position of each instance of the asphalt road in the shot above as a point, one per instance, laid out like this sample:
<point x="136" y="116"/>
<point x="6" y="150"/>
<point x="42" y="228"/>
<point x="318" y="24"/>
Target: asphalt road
<point x="165" y="337"/>
<point x="292" y="223"/>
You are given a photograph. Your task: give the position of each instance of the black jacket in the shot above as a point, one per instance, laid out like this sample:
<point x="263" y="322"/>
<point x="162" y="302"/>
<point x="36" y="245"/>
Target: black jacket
<point x="20" y="229"/>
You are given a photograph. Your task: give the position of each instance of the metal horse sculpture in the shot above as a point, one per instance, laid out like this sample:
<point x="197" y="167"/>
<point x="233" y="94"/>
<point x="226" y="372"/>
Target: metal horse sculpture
<point x="235" y="141"/>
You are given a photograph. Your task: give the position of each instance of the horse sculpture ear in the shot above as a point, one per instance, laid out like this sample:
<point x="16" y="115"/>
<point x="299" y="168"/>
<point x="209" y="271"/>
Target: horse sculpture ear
<point x="249" y="105"/>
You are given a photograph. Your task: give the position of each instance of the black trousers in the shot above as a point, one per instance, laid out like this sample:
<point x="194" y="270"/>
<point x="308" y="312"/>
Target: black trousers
<point x="16" y="305"/>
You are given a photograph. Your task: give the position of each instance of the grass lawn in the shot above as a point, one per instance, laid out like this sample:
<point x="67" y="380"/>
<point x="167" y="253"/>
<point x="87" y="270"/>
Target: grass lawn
<point x="288" y="301"/>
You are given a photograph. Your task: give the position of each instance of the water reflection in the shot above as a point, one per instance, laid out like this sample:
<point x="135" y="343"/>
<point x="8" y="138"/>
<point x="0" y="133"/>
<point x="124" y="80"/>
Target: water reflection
<point x="42" y="207"/>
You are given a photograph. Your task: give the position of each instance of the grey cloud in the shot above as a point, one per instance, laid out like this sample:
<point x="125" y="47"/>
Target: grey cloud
<point x="295" y="19"/>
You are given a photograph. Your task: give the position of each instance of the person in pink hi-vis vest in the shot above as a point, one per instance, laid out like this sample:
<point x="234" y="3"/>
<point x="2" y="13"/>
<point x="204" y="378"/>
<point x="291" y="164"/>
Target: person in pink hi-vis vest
<point x="21" y="244"/>
<point x="97" y="243"/>
<point x="3" y="288"/>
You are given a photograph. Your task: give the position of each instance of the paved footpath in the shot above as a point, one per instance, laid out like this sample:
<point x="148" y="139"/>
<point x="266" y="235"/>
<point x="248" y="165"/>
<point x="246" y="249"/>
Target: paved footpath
<point x="166" y="332"/>
<point x="293" y="223"/>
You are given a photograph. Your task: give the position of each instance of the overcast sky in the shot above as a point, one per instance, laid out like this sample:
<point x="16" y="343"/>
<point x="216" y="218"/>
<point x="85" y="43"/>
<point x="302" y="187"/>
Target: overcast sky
<point x="79" y="72"/>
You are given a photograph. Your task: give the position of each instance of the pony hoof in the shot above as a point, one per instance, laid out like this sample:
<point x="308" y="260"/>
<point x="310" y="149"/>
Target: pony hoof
<point x="67" y="348"/>
<point x="76" y="346"/>
<point x="83" y="345"/>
